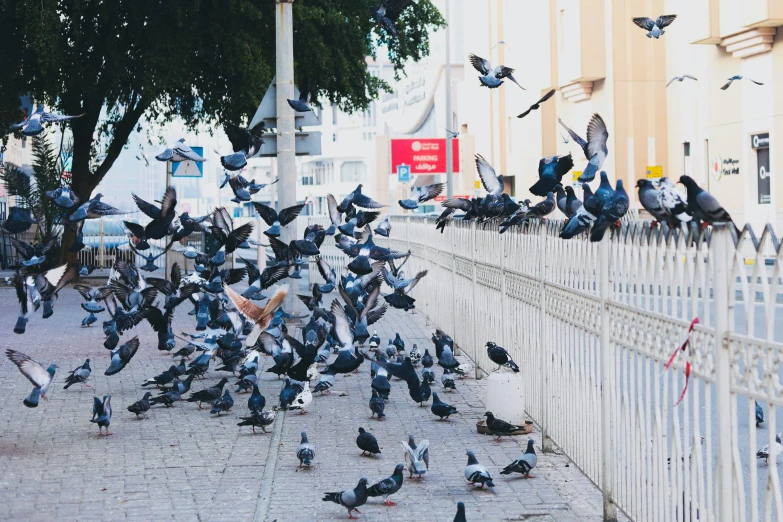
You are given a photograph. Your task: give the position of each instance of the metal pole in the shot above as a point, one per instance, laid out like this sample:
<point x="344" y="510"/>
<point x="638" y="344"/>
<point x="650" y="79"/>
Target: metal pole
<point x="449" y="122"/>
<point x="607" y="363"/>
<point x="286" y="147"/>
<point x="168" y="184"/>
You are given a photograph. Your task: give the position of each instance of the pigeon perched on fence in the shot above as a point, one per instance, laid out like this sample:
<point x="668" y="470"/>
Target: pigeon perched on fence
<point x="101" y="413"/>
<point x="649" y="197"/>
<point x="79" y="375"/>
<point x="703" y="205"/>
<point x="499" y="355"/>
<point x="367" y="442"/>
<point x="440" y="408"/>
<point x="615" y="207"/>
<point x="672" y="204"/>
<point x="388" y="486"/>
<point x="523" y="464"/>
<point x="550" y="173"/>
<point x="141" y="407"/>
<point x="654" y="28"/>
<point x="500" y="427"/>
<point x="305" y="452"/>
<point x="35" y="373"/>
<point x="475" y="473"/>
<point x="350" y="499"/>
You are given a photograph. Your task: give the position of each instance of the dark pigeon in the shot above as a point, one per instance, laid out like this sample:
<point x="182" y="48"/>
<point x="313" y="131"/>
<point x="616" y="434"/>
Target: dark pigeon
<point x="367" y="443"/>
<point x="388" y="486"/>
<point x="440" y="408"/>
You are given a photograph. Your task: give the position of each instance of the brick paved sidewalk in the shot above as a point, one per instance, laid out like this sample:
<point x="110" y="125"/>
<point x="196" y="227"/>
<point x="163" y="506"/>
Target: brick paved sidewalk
<point x="185" y="464"/>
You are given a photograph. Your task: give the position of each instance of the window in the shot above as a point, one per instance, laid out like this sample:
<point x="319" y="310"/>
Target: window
<point x="334" y="114"/>
<point x="353" y="171"/>
<point x="686" y="149"/>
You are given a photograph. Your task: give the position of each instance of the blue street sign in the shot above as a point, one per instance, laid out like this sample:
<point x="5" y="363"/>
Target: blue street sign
<point x="403" y="173"/>
<point x="189" y="169"/>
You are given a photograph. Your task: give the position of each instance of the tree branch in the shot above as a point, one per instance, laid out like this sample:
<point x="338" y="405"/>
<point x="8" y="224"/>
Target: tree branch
<point x="120" y="133"/>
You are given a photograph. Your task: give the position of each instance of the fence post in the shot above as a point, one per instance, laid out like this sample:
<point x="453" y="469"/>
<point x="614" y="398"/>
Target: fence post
<point x="720" y="245"/>
<point x="503" y="301"/>
<point x="543" y="335"/>
<point x="607" y="364"/>
<point x="473" y="307"/>
<point x="453" y="227"/>
<point x="101" y="247"/>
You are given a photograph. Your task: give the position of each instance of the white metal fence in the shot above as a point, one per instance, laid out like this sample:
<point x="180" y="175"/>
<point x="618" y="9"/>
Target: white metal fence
<point x="592" y="325"/>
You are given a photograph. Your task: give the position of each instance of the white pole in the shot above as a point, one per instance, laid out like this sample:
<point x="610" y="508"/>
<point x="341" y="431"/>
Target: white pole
<point x="449" y="123"/>
<point x="286" y="132"/>
<point x="607" y="364"/>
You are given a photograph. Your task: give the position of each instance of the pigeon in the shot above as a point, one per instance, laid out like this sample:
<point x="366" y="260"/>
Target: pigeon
<point x="260" y="317"/>
<point x="703" y="205"/>
<point x="358" y="199"/>
<point x="460" y="516"/>
<point x="19" y="220"/>
<point x="63" y="197"/>
<point x="427" y="375"/>
<point x="377" y="405"/>
<point x="79" y="375"/>
<point x="224" y="403"/>
<point x="388" y="486"/>
<point x="440" y="408"/>
<point x="398" y="342"/>
<point x="777" y="448"/>
<point x="415" y="355"/>
<point x="168" y="398"/>
<point x="672" y="204"/>
<point x="572" y="204"/>
<point x="226" y="235"/>
<point x="33" y="125"/>
<point x="208" y="395"/>
<point x="141" y="407"/>
<point x="759" y="414"/>
<point x="258" y="419"/>
<point x="35" y="373"/>
<point x="650" y="200"/>
<point x="681" y="79"/>
<point x="499" y="355"/>
<point x="493" y="183"/>
<point x="90" y="319"/>
<point x="367" y="443"/>
<point x="276" y="220"/>
<point x="447" y="360"/>
<point x="426" y="359"/>
<point x="492" y="77"/>
<point x="324" y="384"/>
<point x="417" y="457"/>
<point x="615" y="207"/>
<point x="500" y="427"/>
<point x="421" y="195"/>
<point x="288" y="393"/>
<point x="122" y="355"/>
<point x="246" y="143"/>
<point x="387" y="13"/>
<point x="93" y="209"/>
<point x="550" y="173"/>
<point x="305" y="452"/>
<point x="162" y="217"/>
<point x="735" y="78"/>
<point x="302" y="400"/>
<point x="179" y="152"/>
<point x="256" y="402"/>
<point x="374" y="340"/>
<point x="537" y="105"/>
<point x="350" y="499"/>
<point x="101" y="413"/>
<point x="303" y="103"/>
<point x="138" y="236"/>
<point x="91" y="296"/>
<point x="475" y="473"/>
<point x="594" y="147"/>
<point x="654" y="28"/>
<point x="384" y="227"/>
<point x="447" y="380"/>
<point x="523" y="464"/>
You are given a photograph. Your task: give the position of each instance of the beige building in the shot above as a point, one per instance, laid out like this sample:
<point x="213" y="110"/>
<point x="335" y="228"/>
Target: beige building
<point x="599" y="61"/>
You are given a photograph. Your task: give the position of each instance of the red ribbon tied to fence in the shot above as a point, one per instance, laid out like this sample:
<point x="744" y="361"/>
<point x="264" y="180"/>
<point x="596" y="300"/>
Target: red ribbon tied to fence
<point x="681" y="348"/>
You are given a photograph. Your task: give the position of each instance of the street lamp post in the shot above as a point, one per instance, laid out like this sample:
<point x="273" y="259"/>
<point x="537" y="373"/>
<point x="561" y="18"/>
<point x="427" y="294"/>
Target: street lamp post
<point x="449" y="123"/>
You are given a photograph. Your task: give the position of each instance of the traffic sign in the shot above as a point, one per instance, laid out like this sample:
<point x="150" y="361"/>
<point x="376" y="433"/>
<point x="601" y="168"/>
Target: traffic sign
<point x="267" y="111"/>
<point x="403" y="173"/>
<point x="189" y="169"/>
<point x="654" y="172"/>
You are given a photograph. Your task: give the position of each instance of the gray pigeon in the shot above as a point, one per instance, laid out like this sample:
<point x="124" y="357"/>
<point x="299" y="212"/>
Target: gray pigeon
<point x="649" y="197"/>
<point x="615" y="207"/>
<point x="141" y="407"/>
<point x="258" y="419"/>
<point x="246" y="143"/>
<point x="492" y="77"/>
<point x="475" y="473"/>
<point x="35" y="373"/>
<point x="417" y="457"/>
<point x="421" y="195"/>
<point x="94" y="209"/>
<point x="523" y="464"/>
<point x="179" y="152"/>
<point x="735" y="78"/>
<point x="704" y="206"/>
<point x="305" y="452"/>
<point x="33" y="125"/>
<point x="681" y="79"/>
<point x="122" y="355"/>
<point x="388" y="486"/>
<point x="79" y="375"/>
<point x="101" y="413"/>
<point x="654" y="28"/>
<point x="225" y="403"/>
<point x="351" y="499"/>
<point x="594" y="147"/>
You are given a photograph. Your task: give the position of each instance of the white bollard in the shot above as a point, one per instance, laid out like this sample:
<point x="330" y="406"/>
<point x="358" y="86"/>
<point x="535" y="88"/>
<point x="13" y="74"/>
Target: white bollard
<point x="504" y="396"/>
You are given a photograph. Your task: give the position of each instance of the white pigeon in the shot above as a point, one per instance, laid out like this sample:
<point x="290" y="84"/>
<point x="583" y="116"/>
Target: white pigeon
<point x="777" y="448"/>
<point x="475" y="473"/>
<point x="417" y="457"/>
<point x="302" y="400"/>
<point x="672" y="202"/>
<point x="179" y="152"/>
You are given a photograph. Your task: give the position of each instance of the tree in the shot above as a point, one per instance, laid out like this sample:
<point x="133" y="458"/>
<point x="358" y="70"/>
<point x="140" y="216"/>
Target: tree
<point x="200" y="60"/>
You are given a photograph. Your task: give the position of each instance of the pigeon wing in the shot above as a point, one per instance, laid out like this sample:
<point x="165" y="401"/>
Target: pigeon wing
<point x="168" y="202"/>
<point x="487" y="174"/>
<point x="31" y="369"/>
<point x="431" y="191"/>
<point x="665" y="20"/>
<point x="289" y="214"/>
<point x="48" y="117"/>
<point x="268" y="214"/>
<point x="334" y="215"/>
<point x="596" y="136"/>
<point x="239" y="137"/>
<point x="394" y="8"/>
<point x="480" y="64"/>
<point x="574" y="136"/>
<point x="341" y="325"/>
<point x="644" y="22"/>
<point x="149" y="209"/>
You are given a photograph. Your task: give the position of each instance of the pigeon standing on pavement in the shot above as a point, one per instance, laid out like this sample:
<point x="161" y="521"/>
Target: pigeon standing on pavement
<point x="377" y="405"/>
<point x="351" y="499"/>
<point x="460" y="516"/>
<point x="594" y="147"/>
<point x="258" y="419"/>
<point x="523" y="464"/>
<point x="388" y="486"/>
<point x="141" y="407"/>
<point x="440" y="408"/>
<point x="208" y="395"/>
<point x="500" y="427"/>
<point x="417" y="457"/>
<point x="447" y="380"/>
<point x="475" y="473"/>
<point x="305" y="452"/>
<point x="79" y="375"/>
<point x="654" y="28"/>
<point x="101" y="413"/>
<point x="303" y="399"/>
<point x="765" y="452"/>
<point x="367" y="443"/>
<point x="759" y="415"/>
<point x="499" y="355"/>
<point x="35" y="373"/>
<point x="256" y="402"/>
<point x="225" y="403"/>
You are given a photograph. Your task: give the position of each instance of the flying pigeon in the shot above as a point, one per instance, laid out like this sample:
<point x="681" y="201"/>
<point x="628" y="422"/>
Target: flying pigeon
<point x="594" y="147"/>
<point x="79" y="375"/>
<point x="63" y="197"/>
<point x="654" y="28"/>
<point x="260" y="317"/>
<point x="305" y="452"/>
<point x="276" y="220"/>
<point x="387" y="13"/>
<point x="500" y="427"/>
<point x="550" y="172"/>
<point x="499" y="355"/>
<point x="384" y="227"/>
<point x="738" y="77"/>
<point x="614" y="209"/>
<point x="358" y="199"/>
<point x="93" y="209"/>
<point x="246" y="143"/>
<point x="19" y="220"/>
<point x="350" y="499"/>
<point x="493" y="183"/>
<point x="179" y="152"/>
<point x="258" y="419"/>
<point x="421" y="195"/>
<point x="523" y="464"/>
<point x="491" y="77"/>
<point x="417" y="457"/>
<point x="35" y="373"/>
<point x="537" y="105"/>
<point x="388" y="486"/>
<point x="122" y="355"/>
<point x="101" y="413"/>
<point x="440" y="408"/>
<point x="681" y="79"/>
<point x="367" y="443"/>
<point x="33" y="126"/>
<point x="303" y="103"/>
<point x="703" y="205"/>
<point x="141" y="407"/>
<point x="475" y="473"/>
